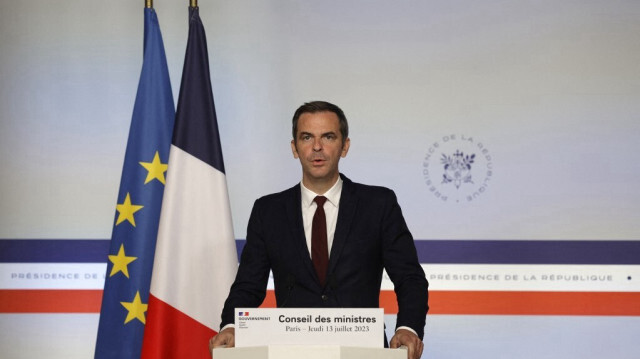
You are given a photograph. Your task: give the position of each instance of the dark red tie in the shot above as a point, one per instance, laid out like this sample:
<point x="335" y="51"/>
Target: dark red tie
<point x="319" y="248"/>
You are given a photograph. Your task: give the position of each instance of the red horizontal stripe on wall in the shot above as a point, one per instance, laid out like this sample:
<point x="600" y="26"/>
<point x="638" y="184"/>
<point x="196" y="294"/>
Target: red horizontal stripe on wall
<point x="535" y="303"/>
<point x="440" y="302"/>
<point x="50" y="301"/>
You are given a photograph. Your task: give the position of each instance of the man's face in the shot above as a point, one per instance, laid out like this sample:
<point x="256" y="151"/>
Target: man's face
<point x="319" y="146"/>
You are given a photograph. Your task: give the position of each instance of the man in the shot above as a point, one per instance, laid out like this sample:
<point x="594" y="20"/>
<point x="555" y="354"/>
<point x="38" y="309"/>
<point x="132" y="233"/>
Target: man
<point x="364" y="233"/>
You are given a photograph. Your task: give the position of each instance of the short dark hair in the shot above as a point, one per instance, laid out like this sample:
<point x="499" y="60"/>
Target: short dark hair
<point x="321" y="106"/>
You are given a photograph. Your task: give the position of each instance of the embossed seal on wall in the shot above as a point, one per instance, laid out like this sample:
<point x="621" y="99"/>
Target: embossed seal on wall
<point x="457" y="168"/>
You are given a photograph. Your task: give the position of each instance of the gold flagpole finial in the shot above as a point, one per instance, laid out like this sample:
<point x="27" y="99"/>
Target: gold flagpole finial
<point x="193" y="3"/>
<point x="148" y="4"/>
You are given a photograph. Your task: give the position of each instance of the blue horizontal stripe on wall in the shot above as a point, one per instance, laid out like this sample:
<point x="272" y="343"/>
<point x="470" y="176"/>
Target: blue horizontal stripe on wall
<point x="54" y="250"/>
<point x="429" y="251"/>
<point x="529" y="252"/>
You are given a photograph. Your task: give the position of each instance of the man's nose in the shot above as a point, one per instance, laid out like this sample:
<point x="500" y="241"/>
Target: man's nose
<point x="317" y="144"/>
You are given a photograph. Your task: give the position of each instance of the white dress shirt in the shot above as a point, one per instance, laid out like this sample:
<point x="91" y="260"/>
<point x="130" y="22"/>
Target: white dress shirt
<point x="309" y="207"/>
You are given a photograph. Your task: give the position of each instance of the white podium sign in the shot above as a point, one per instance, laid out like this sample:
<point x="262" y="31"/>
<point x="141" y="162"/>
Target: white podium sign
<point x="307" y="352"/>
<point x="354" y="327"/>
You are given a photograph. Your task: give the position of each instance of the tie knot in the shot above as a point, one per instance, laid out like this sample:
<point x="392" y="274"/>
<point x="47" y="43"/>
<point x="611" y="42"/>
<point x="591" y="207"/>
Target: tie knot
<point x="320" y="200"/>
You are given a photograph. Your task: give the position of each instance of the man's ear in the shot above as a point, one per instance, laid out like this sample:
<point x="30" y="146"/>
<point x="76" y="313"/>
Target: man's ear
<point x="345" y="147"/>
<point x="294" y="149"/>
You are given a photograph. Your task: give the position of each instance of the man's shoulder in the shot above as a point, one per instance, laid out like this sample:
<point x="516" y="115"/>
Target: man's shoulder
<point x="367" y="191"/>
<point x="370" y="188"/>
<point x="281" y="196"/>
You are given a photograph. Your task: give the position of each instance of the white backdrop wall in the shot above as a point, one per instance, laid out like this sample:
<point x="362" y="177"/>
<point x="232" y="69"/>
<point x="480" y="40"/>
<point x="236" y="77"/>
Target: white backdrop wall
<point x="549" y="90"/>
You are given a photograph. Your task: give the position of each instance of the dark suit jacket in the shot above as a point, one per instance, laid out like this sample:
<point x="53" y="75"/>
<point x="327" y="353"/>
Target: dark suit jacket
<point x="370" y="235"/>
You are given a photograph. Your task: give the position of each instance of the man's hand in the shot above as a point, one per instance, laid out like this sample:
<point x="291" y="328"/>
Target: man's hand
<point x="226" y="339"/>
<point x="410" y="340"/>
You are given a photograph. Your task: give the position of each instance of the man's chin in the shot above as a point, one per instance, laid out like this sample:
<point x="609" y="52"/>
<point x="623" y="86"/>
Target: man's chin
<point x="320" y="175"/>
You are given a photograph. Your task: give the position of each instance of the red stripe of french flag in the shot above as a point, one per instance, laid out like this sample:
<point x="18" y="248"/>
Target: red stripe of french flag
<point x="195" y="261"/>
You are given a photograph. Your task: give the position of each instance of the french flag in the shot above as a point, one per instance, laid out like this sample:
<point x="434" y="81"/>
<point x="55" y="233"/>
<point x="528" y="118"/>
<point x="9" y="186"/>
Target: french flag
<point x="195" y="259"/>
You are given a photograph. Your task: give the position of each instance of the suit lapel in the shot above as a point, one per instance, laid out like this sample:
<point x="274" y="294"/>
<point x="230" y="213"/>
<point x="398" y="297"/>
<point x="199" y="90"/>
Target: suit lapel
<point x="346" y="213"/>
<point x="294" y="218"/>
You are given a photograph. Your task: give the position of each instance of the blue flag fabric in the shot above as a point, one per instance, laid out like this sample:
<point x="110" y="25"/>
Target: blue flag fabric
<point x="133" y="240"/>
<point x="196" y="130"/>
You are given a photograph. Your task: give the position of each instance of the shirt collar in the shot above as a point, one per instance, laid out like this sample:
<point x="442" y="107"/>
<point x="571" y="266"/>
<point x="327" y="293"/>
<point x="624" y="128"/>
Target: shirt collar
<point x="333" y="194"/>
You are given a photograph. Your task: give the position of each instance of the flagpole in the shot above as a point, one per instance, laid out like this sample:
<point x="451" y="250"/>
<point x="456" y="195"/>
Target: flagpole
<point x="148" y="4"/>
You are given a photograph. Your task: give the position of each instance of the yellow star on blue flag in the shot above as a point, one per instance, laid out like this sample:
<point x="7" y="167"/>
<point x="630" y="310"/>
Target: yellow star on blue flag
<point x="120" y="262"/>
<point x="135" y="309"/>
<point x="126" y="211"/>
<point x="155" y="169"/>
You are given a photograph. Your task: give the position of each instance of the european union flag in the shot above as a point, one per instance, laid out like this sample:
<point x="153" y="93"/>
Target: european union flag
<point x="133" y="241"/>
